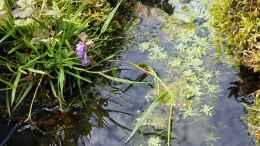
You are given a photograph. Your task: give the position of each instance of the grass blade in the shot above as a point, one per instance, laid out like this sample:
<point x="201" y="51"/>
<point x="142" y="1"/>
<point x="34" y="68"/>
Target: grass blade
<point x="120" y="80"/>
<point x="14" y="87"/>
<point x="5" y="82"/>
<point x="110" y="17"/>
<point x="110" y="77"/>
<point x="61" y="83"/>
<point x="53" y="90"/>
<point x="78" y="76"/>
<point x="142" y="119"/>
<point x="9" y="33"/>
<point x="61" y="79"/>
<point x="26" y="92"/>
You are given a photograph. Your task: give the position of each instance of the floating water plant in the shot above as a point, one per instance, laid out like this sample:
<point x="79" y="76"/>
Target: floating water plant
<point x="186" y="88"/>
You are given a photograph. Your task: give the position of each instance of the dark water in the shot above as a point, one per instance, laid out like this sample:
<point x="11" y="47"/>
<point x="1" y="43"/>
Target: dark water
<point x="224" y="128"/>
<point x="110" y="123"/>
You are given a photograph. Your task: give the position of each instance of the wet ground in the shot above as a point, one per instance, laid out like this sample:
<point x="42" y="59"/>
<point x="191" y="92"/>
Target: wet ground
<point x="124" y="103"/>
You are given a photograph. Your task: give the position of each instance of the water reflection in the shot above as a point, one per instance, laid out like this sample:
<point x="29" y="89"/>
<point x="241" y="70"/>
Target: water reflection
<point x="52" y="127"/>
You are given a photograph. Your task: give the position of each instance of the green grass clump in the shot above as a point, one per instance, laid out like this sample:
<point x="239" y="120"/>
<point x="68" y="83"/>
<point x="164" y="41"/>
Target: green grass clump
<point x="237" y="23"/>
<point x="252" y="118"/>
<point x="38" y="38"/>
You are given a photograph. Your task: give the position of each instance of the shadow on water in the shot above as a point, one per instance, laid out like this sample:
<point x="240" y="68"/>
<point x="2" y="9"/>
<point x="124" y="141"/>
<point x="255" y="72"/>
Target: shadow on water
<point x="243" y="89"/>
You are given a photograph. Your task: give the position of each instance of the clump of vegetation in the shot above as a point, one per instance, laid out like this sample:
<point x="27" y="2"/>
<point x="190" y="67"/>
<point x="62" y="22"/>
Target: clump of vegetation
<point x="237" y="27"/>
<point x="252" y="117"/>
<point x="237" y="21"/>
<point x="51" y="49"/>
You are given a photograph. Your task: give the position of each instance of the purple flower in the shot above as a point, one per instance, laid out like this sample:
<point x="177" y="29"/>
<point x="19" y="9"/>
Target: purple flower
<point x="80" y="49"/>
<point x="85" y="61"/>
<point x="82" y="54"/>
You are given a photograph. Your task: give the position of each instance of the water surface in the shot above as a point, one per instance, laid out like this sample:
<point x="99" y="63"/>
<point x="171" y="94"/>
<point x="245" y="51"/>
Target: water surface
<point x="169" y="33"/>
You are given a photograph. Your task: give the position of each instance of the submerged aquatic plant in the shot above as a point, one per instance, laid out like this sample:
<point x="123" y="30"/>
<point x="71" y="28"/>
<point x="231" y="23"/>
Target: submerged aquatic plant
<point x="154" y="141"/>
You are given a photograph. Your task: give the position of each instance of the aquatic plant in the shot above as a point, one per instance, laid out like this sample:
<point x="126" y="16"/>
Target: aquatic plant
<point x="185" y="89"/>
<point x="194" y="10"/>
<point x="154" y="141"/>
<point x="51" y="49"/>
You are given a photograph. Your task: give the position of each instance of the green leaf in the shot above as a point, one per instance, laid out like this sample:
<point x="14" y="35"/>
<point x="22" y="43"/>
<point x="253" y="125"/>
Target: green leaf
<point x="78" y="76"/>
<point x="53" y="90"/>
<point x="26" y="92"/>
<point x="14" y="87"/>
<point x="120" y="79"/>
<point x="61" y="80"/>
<point x="5" y="82"/>
<point x="14" y="49"/>
<point x="110" y="17"/>
<point x="9" y="33"/>
<point x="142" y="119"/>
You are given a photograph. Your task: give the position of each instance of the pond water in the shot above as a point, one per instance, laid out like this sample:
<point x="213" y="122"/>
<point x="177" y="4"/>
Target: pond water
<point x="178" y="44"/>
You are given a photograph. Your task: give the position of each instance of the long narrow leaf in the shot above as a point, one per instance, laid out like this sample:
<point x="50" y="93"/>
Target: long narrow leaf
<point x="78" y="76"/>
<point x="14" y="87"/>
<point x="110" y="17"/>
<point x="61" y="80"/>
<point x="120" y="80"/>
<point x="53" y="90"/>
<point x="143" y="118"/>
<point x="61" y="84"/>
<point x="9" y="33"/>
<point x="26" y="92"/>
<point x="5" y="82"/>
